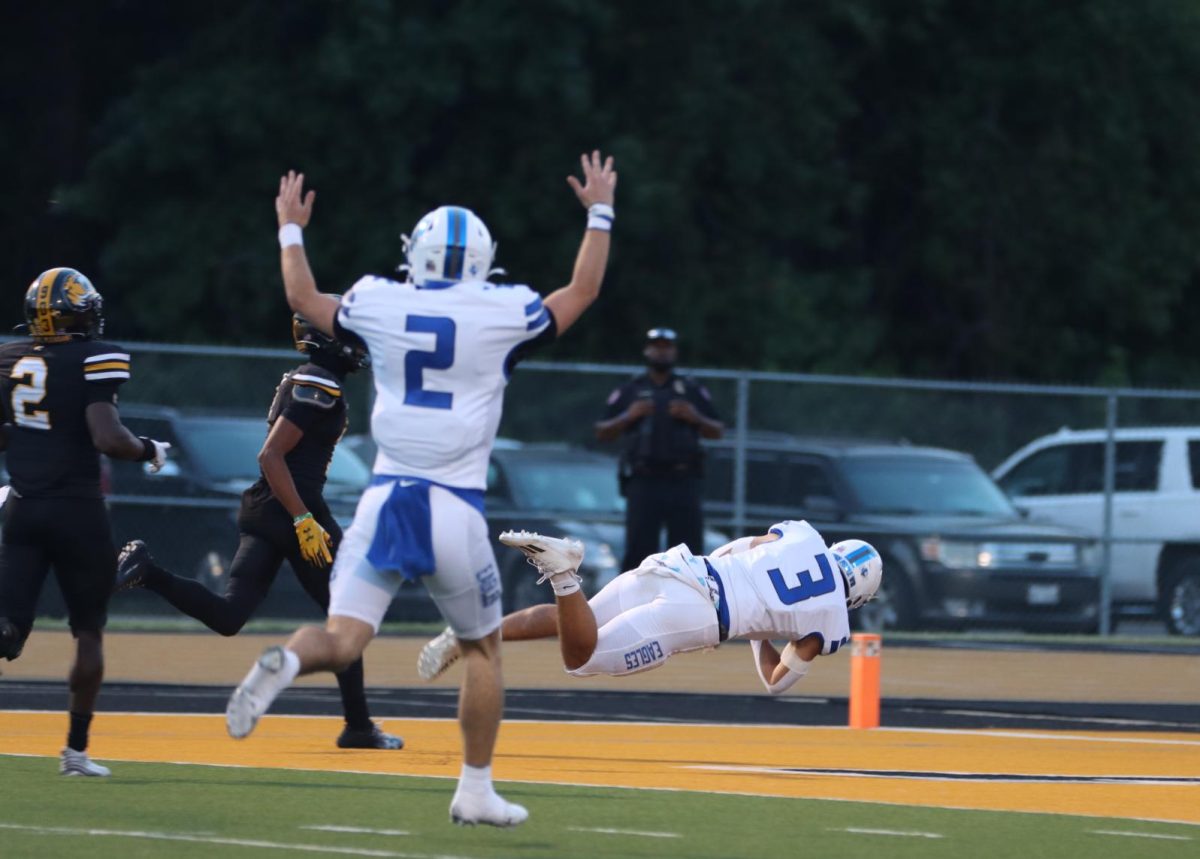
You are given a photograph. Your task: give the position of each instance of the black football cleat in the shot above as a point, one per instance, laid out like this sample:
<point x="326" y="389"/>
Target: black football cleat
<point x="133" y="566"/>
<point x="368" y="738"/>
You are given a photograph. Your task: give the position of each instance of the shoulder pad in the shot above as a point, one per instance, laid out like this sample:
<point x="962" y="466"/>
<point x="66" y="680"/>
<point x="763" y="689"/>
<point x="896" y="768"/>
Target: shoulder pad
<point x="313" y="386"/>
<point x="104" y="362"/>
<point x="311" y="395"/>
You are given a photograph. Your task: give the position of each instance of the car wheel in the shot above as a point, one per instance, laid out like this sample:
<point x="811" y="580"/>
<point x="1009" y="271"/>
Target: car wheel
<point x="1181" y="598"/>
<point x="892" y="608"/>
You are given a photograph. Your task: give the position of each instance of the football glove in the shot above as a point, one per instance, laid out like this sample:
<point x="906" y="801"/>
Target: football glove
<point x="314" y="540"/>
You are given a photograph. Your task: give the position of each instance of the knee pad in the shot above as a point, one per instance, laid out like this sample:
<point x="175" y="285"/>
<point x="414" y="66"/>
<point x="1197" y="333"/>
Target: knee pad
<point x="12" y="642"/>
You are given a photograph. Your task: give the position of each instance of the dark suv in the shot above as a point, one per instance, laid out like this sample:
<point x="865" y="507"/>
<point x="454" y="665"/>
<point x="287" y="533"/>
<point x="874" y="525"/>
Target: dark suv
<point x="956" y="552"/>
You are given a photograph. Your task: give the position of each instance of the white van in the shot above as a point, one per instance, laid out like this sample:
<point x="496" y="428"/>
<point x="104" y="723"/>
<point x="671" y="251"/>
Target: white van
<point x="1156" y="510"/>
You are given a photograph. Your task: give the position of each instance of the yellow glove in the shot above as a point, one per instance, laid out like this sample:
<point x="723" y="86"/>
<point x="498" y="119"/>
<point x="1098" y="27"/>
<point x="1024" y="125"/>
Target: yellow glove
<point x="314" y="540"/>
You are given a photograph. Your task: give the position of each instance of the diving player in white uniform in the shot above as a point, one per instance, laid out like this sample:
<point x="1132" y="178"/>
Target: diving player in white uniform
<point x="785" y="584"/>
<point x="442" y="347"/>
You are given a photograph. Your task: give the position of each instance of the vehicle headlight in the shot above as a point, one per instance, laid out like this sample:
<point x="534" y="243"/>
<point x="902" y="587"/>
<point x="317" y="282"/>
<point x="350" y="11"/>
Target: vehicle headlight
<point x="960" y="554"/>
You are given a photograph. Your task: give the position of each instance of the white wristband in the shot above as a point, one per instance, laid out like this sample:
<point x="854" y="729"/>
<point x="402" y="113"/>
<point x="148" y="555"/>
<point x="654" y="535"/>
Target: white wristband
<point x="291" y="234"/>
<point x="600" y="217"/>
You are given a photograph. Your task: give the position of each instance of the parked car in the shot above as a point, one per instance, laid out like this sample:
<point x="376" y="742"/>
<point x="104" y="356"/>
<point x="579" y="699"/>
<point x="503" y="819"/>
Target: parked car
<point x="187" y="512"/>
<point x="556" y="489"/>
<point x="1155" y="504"/>
<point x="956" y="552"/>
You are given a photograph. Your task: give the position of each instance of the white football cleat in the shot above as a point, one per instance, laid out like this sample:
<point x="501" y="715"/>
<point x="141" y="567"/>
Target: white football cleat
<point x="256" y="693"/>
<point x="552" y="556"/>
<point x="71" y="762"/>
<point x="438" y="655"/>
<point x="490" y="809"/>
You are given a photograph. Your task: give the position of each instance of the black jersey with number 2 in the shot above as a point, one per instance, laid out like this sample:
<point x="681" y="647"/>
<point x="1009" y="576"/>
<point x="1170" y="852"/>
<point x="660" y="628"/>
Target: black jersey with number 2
<point x="46" y="389"/>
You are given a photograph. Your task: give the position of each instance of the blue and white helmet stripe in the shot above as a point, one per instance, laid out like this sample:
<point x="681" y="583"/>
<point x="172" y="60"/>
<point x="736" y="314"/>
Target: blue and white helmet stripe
<point x="861" y="567"/>
<point x="448" y="245"/>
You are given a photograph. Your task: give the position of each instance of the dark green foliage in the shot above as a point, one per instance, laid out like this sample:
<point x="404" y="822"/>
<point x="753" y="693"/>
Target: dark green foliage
<point x="967" y="189"/>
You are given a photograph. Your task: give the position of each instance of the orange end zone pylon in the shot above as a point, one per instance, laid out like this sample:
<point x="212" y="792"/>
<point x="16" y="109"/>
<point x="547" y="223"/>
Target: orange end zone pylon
<point x="865" y="650"/>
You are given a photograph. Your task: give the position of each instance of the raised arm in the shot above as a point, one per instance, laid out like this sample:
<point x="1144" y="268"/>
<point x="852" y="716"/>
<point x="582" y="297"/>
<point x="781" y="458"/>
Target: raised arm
<point x="294" y="209"/>
<point x="596" y="193"/>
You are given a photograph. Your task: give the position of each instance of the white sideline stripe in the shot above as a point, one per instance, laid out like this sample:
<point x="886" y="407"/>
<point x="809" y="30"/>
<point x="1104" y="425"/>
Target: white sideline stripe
<point x="232" y="842"/>
<point x="1140" y="834"/>
<point x="604" y="831"/>
<point x="965" y="732"/>
<point x="359" y="830"/>
<point x="751" y="793"/>
<point x="858" y="831"/>
<point x="107" y="356"/>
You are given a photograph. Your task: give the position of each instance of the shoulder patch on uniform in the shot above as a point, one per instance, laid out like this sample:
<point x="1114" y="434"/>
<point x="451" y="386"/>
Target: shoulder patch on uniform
<point x="314" y="395"/>
<point x="106" y="367"/>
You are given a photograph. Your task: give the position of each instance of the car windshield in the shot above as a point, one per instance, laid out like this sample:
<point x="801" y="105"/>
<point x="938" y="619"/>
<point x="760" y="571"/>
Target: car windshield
<point x="917" y="485"/>
<point x="583" y="487"/>
<point x="228" y="450"/>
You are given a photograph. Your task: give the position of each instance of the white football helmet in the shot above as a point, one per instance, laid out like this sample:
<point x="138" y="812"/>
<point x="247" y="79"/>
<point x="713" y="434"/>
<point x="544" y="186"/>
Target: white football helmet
<point x="861" y="567"/>
<point x="448" y="245"/>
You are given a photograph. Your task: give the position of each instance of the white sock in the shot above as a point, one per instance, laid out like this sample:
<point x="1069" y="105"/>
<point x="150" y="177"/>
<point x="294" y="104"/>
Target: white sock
<point x="475" y="780"/>
<point x="291" y="666"/>
<point x="564" y="584"/>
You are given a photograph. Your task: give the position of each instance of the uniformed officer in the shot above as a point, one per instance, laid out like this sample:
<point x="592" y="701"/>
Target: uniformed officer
<point x="662" y="417"/>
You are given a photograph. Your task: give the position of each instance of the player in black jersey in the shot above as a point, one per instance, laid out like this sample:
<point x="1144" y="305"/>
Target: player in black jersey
<point x="59" y="392"/>
<point x="283" y="516"/>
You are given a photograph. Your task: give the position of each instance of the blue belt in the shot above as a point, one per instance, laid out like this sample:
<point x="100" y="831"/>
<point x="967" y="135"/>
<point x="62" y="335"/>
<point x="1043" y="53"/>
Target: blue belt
<point x="722" y="604"/>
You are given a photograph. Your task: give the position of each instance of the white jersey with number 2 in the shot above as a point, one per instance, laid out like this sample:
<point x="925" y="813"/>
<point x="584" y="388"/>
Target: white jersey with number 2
<point x="440" y="359"/>
<point x="785" y="589"/>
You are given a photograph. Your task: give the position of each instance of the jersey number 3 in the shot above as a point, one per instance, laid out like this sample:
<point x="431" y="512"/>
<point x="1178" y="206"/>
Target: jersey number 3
<point x="808" y="587"/>
<point x="416" y="362"/>
<point x="31" y="371"/>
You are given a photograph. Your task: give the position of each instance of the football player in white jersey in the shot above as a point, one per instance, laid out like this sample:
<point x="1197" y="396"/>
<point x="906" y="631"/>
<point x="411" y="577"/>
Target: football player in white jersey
<point x="785" y="584"/>
<point x="442" y="345"/>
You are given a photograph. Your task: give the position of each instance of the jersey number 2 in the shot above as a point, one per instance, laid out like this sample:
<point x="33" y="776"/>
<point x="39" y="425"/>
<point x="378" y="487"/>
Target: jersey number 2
<point x="808" y="587"/>
<point x="441" y="357"/>
<point x="32" y="371"/>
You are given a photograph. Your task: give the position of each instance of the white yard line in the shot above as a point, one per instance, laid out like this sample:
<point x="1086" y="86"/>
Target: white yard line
<point x="854" y="830"/>
<point x="1157" y="835"/>
<point x="358" y="830"/>
<point x="232" y="842"/>
<point x="603" y="831"/>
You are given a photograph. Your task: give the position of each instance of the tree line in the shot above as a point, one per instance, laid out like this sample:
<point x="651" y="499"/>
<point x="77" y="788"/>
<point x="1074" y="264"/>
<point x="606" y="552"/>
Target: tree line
<point x="951" y="188"/>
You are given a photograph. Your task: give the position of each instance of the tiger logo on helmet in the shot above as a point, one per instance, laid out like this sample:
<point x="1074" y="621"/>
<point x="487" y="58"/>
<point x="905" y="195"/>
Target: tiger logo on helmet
<point x="862" y="569"/>
<point x="60" y="304"/>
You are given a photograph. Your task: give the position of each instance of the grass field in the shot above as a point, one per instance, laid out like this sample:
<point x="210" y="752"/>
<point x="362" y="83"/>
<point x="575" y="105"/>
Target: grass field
<point x="153" y="810"/>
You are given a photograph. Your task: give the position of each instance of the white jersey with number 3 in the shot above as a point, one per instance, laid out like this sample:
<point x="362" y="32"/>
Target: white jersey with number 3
<point x="785" y="589"/>
<point x="440" y="358"/>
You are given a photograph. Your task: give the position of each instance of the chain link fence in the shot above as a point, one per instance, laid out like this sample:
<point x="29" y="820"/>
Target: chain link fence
<point x="187" y="515"/>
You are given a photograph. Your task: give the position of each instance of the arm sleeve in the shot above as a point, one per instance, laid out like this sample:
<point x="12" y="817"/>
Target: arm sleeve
<point x="533" y="325"/>
<point x="342" y="330"/>
<point x="104" y="372"/>
<point x="702" y="400"/>
<point x="617" y="402"/>
<point x="789" y="679"/>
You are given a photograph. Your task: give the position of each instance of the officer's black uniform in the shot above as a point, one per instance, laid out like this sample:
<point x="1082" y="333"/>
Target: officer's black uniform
<point x="661" y="467"/>
<point x="55" y="515"/>
<point x="311" y="398"/>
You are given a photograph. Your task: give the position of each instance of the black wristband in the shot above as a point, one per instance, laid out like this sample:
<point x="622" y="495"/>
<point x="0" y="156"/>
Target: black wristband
<point x="148" y="449"/>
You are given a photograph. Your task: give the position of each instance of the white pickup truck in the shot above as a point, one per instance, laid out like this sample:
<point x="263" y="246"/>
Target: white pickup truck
<point x="1156" y="510"/>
